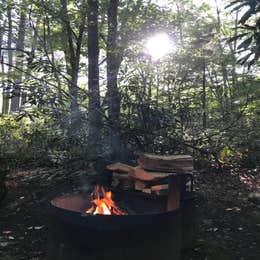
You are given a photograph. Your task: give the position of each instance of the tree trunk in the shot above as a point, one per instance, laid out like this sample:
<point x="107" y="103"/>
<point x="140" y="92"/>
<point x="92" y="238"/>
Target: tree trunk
<point x="6" y="93"/>
<point x="2" y="28"/>
<point x="204" y="98"/>
<point x="15" y="101"/>
<point x="72" y="49"/>
<point x="56" y="75"/>
<point x="94" y="112"/>
<point x="224" y="89"/>
<point x="71" y="59"/>
<point x="234" y="63"/>
<point x="113" y="64"/>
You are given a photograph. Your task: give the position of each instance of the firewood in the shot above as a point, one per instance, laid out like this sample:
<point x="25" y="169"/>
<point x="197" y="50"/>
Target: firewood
<point x="161" y="192"/>
<point x="121" y="167"/>
<point x="122" y="181"/>
<point x="126" y="185"/>
<point x="141" y="174"/>
<point x="160" y="187"/>
<point x="120" y="176"/>
<point x="147" y="191"/>
<point x="144" y="175"/>
<point x="159" y="175"/>
<point x="166" y="163"/>
<point x="139" y="185"/>
<point x="115" y="183"/>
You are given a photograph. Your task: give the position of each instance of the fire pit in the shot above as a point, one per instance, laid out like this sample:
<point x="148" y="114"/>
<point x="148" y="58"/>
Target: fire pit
<point x="147" y="213"/>
<point x="147" y="227"/>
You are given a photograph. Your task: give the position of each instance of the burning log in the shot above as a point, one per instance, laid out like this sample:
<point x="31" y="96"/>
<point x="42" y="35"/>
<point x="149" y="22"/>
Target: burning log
<point x="103" y="203"/>
<point x="166" y="162"/>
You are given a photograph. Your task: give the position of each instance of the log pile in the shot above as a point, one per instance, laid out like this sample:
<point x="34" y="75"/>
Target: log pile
<point x="151" y="174"/>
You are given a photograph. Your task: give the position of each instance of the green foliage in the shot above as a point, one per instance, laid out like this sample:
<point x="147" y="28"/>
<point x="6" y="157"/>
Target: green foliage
<point x="161" y="102"/>
<point x="250" y="30"/>
<point x="24" y="141"/>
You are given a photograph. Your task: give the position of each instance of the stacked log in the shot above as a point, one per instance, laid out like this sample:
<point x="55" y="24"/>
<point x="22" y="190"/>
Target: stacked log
<point x="180" y="163"/>
<point x="151" y="174"/>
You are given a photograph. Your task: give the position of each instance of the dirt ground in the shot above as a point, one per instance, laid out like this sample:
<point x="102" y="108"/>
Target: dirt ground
<point x="229" y="223"/>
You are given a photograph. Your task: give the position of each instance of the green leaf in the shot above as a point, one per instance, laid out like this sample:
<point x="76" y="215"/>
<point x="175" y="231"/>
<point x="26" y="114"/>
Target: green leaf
<point x="246" y="16"/>
<point x="237" y="37"/>
<point x="239" y="7"/>
<point x="245" y="44"/>
<point x="243" y="60"/>
<point x="232" y="3"/>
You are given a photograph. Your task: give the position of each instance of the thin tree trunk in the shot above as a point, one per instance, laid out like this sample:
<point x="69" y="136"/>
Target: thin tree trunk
<point x="53" y="60"/>
<point x="204" y="98"/>
<point x="233" y="73"/>
<point x="180" y="24"/>
<point x="70" y="56"/>
<point x="2" y="28"/>
<point x="224" y="94"/>
<point x="72" y="46"/>
<point x="157" y="87"/>
<point x="6" y="94"/>
<point x="15" y="101"/>
<point x="94" y="111"/>
<point x="28" y="70"/>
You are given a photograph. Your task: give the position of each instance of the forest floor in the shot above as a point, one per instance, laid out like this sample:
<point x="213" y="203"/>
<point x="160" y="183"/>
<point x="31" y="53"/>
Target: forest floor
<point x="229" y="224"/>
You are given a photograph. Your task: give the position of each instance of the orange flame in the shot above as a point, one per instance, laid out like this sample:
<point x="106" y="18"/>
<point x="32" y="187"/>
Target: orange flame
<point x="103" y="203"/>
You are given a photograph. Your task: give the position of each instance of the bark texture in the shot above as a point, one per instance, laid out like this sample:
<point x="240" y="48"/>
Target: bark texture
<point x="6" y="92"/>
<point x="94" y="110"/>
<point x="72" y="49"/>
<point x="114" y="59"/>
<point x="15" y="101"/>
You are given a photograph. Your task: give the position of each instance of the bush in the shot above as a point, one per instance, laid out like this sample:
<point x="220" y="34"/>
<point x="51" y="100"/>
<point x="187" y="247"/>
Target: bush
<point x="23" y="141"/>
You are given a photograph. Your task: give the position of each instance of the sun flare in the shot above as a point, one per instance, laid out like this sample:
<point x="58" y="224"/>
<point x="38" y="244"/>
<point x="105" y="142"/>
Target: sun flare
<point x="158" y="46"/>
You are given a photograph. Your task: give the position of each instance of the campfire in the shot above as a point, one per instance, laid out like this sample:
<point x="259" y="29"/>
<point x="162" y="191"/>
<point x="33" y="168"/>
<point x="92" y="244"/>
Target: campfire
<point x="150" y="177"/>
<point x="152" y="199"/>
<point x="103" y="203"/>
